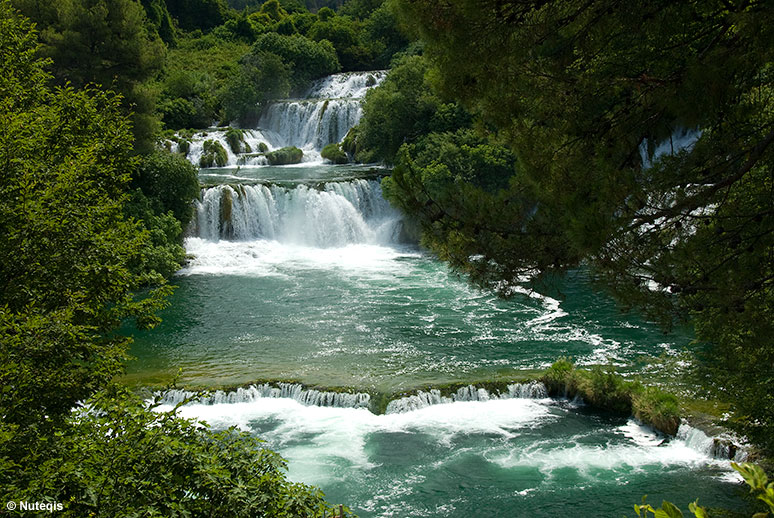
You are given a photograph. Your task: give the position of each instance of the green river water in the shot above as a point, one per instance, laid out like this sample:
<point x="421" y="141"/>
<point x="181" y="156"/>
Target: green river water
<point x="301" y="274"/>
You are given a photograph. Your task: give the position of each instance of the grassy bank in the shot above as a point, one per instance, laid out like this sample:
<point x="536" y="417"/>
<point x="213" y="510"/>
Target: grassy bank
<point x="604" y="389"/>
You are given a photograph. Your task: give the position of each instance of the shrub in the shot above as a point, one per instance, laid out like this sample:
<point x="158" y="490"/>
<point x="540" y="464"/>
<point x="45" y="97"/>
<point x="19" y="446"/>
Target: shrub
<point x="183" y="146"/>
<point x="603" y="388"/>
<point x="122" y="459"/>
<point x="307" y="59"/>
<point x="661" y="409"/>
<point x="236" y="141"/>
<point x="334" y="153"/>
<point x="286" y="155"/>
<point x="214" y="154"/>
<point x="170" y="182"/>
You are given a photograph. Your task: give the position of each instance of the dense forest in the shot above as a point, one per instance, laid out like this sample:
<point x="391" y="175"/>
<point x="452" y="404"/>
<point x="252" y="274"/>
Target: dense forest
<point x="527" y="139"/>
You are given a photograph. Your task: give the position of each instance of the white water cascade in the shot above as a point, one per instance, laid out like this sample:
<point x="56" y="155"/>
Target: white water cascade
<point x="323" y="116"/>
<point x="335" y="214"/>
<point x="294" y="391"/>
<point x="532" y="390"/>
<point x="327" y="111"/>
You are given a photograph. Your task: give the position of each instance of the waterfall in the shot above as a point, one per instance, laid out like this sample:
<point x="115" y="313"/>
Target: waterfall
<point x="326" y="113"/>
<point x="308" y="397"/>
<point x="720" y="447"/>
<point x="310" y="124"/>
<point x="337" y="214"/>
<point x="532" y="390"/>
<point x="328" y="110"/>
<point x="312" y="397"/>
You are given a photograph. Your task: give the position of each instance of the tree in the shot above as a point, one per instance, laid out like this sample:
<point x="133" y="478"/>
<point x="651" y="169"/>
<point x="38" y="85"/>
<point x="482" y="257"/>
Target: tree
<point x="306" y="59"/>
<point x="108" y="44"/>
<point x="262" y="76"/>
<point x="68" y="254"/>
<point x="120" y="458"/>
<point x="198" y="14"/>
<point x="584" y="93"/>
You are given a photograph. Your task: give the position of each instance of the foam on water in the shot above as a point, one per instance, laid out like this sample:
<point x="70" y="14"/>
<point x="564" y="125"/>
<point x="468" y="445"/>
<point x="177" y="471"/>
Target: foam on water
<point x="326" y="443"/>
<point x="261" y="258"/>
<point x="352" y="85"/>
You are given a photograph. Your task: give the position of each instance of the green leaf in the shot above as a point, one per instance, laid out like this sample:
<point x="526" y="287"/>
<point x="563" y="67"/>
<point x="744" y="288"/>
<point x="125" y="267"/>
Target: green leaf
<point x="668" y="510"/>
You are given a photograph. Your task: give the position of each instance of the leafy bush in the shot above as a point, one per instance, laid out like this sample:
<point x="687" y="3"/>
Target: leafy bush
<point x="170" y="182"/>
<point x="605" y="389"/>
<point x="334" y="153"/>
<point x="214" y="154"/>
<point x="183" y="146"/>
<point x="286" y="155"/>
<point x="261" y="76"/>
<point x="754" y="477"/>
<point x="236" y="141"/>
<point x="164" y="255"/>
<point x="398" y="110"/>
<point x="307" y="59"/>
<point x="116" y="457"/>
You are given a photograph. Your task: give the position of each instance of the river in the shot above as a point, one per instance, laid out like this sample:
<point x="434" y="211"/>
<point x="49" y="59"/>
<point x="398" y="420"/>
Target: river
<point x="382" y="377"/>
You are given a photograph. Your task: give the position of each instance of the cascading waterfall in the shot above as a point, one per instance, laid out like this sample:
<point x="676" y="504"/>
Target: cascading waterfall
<point x="337" y="214"/>
<point x="325" y="115"/>
<point x="295" y="391"/>
<point x="532" y="390"/>
<point x="719" y="447"/>
<point x="310" y="124"/>
<point x="328" y="110"/>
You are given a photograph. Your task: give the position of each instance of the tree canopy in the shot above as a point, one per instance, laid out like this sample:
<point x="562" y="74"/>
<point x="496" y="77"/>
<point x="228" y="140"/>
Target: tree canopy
<point x="642" y="133"/>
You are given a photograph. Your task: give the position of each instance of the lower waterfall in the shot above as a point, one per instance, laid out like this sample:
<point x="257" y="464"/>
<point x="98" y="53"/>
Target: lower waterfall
<point x="334" y="214"/>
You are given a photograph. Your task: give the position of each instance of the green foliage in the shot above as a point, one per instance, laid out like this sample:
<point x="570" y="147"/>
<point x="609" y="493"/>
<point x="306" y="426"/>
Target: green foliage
<point x="760" y="487"/>
<point x="285" y="155"/>
<point x="262" y="147"/>
<point x="164" y="255"/>
<point x="305" y="58"/>
<point x="398" y="110"/>
<point x="605" y="389"/>
<point x="334" y="153"/>
<point x="106" y="43"/>
<point x="213" y="154"/>
<point x="198" y="14"/>
<point x="70" y="258"/>
<point x="198" y="70"/>
<point x="262" y="76"/>
<point x="159" y="17"/>
<point x="235" y="138"/>
<point x="183" y="146"/>
<point x="115" y="457"/>
<point x="754" y="477"/>
<point x="170" y="182"/>
<point x="582" y="92"/>
<point x="344" y="34"/>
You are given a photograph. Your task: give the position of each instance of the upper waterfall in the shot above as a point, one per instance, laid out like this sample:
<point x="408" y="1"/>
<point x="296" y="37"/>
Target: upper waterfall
<point x="323" y="115"/>
<point x="330" y="108"/>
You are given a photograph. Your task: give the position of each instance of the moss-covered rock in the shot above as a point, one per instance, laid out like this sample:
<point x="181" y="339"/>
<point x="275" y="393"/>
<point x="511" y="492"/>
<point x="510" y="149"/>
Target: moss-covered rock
<point x="262" y="147"/>
<point x="284" y="156"/>
<point x="236" y="141"/>
<point x="604" y="389"/>
<point x="214" y="154"/>
<point x="334" y="153"/>
<point x="183" y="146"/>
